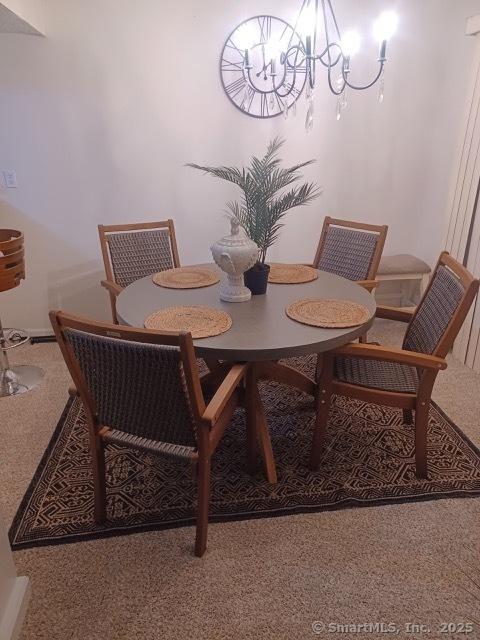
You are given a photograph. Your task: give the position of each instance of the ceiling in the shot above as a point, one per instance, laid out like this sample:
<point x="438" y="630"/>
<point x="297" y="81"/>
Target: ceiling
<point x="11" y="23"/>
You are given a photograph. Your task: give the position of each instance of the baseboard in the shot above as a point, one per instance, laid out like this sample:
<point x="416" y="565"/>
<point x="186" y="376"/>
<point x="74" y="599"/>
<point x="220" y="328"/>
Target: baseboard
<point x="40" y="339"/>
<point x="39" y="333"/>
<point x="12" y="619"/>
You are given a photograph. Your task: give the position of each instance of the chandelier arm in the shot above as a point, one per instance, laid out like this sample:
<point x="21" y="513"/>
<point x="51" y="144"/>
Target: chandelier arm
<point x="326" y="50"/>
<point x="274" y="90"/>
<point x="327" y="37"/>
<point x="304" y="3"/>
<point x="247" y="74"/>
<point x="284" y="59"/>
<point x="334" y="19"/>
<point x="337" y="59"/>
<point x="320" y="57"/>
<point x="336" y="92"/>
<point x="284" y="95"/>
<point x="311" y="72"/>
<point x="315" y="28"/>
<point x="312" y="59"/>
<point x="292" y="83"/>
<point x="366" y="86"/>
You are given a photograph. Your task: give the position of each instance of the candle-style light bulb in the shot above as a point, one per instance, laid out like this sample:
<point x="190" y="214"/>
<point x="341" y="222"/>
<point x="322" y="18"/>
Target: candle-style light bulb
<point x="308" y="46"/>
<point x="385" y="26"/>
<point x="350" y="43"/>
<point x="307" y="19"/>
<point x="383" y="29"/>
<point x="382" y="52"/>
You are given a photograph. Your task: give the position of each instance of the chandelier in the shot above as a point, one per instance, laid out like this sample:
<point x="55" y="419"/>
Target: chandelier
<point x="267" y="64"/>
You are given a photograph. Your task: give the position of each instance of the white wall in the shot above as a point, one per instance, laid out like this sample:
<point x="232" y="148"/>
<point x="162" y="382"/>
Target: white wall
<point x="99" y="118"/>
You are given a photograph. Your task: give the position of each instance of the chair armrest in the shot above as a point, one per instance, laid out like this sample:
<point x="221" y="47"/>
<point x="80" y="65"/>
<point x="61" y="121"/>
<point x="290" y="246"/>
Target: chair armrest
<point x="394" y="313"/>
<point x="391" y="354"/>
<point x="224" y="393"/>
<point x="112" y="287"/>
<point x="369" y="285"/>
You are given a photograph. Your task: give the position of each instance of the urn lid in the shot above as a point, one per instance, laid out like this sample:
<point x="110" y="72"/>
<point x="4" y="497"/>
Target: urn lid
<point x="237" y="237"/>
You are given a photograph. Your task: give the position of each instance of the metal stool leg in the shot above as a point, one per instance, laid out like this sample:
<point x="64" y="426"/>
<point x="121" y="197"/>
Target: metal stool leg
<point x="8" y="381"/>
<point x="15" y="380"/>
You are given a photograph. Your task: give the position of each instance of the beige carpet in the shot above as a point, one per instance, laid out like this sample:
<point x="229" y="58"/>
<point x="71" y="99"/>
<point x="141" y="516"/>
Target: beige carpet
<point x="414" y="563"/>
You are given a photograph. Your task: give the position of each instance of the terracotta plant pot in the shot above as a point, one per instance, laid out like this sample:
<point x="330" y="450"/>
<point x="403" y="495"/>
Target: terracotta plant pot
<point x="256" y="278"/>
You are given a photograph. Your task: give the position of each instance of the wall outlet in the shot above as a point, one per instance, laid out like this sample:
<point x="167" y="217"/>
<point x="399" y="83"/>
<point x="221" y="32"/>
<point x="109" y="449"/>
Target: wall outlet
<point x="10" y="179"/>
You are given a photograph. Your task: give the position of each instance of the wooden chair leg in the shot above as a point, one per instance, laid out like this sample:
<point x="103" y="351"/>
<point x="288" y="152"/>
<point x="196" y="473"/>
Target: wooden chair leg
<point x="251" y="441"/>
<point x="421" y="426"/>
<point x="251" y="418"/>
<point x="204" y="471"/>
<point x="99" y="483"/>
<point x="194" y="469"/>
<point x="323" y="401"/>
<point x="265" y="441"/>
<point x="320" y="428"/>
<point x="407" y="416"/>
<point x="113" y="304"/>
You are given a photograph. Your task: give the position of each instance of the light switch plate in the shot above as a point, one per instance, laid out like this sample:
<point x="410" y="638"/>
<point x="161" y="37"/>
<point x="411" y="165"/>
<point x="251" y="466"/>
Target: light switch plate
<point x="10" y="179"/>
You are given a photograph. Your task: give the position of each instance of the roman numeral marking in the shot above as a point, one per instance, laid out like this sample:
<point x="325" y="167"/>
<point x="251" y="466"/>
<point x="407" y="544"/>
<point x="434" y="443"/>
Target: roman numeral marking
<point x="234" y="88"/>
<point x="265" y="24"/>
<point x="264" y="105"/>
<point x="231" y="45"/>
<point x="228" y="65"/>
<point x="251" y="96"/>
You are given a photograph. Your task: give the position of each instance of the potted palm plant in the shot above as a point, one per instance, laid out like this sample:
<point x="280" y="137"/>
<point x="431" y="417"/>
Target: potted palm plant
<point x="265" y="202"/>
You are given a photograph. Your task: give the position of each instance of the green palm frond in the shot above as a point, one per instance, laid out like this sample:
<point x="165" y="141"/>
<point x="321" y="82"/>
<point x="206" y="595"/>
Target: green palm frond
<point x="231" y="174"/>
<point x="264" y="199"/>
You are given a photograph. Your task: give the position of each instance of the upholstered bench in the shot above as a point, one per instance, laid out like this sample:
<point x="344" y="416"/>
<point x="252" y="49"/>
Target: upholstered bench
<point x="410" y="272"/>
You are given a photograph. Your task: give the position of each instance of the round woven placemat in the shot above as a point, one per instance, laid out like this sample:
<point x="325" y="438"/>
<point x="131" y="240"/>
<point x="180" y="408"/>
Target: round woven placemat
<point x="331" y="314"/>
<point x="201" y="322"/>
<point x="186" y="278"/>
<point x="291" y="273"/>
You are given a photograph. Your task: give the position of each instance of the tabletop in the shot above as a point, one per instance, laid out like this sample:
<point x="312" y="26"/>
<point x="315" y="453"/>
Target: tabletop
<point x="261" y="329"/>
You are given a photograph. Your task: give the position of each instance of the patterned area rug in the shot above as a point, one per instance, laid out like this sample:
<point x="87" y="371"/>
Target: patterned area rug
<point x="368" y="461"/>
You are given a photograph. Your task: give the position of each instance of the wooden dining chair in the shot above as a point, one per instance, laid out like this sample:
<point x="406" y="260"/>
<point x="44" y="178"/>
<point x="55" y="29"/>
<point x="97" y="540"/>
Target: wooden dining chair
<point x="142" y="389"/>
<point x="133" y="251"/>
<point x="351" y="250"/>
<point x="403" y="377"/>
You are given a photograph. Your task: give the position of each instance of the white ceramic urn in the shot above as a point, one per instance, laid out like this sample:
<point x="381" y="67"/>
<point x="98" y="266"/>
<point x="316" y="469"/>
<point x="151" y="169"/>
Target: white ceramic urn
<point x="235" y="254"/>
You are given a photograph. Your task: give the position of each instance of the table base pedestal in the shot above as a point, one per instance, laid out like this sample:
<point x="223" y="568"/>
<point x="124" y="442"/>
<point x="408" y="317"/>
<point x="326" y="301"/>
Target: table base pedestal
<point x="257" y="427"/>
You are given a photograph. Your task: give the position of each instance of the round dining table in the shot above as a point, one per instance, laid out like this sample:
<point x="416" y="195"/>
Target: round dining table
<point x="261" y="334"/>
